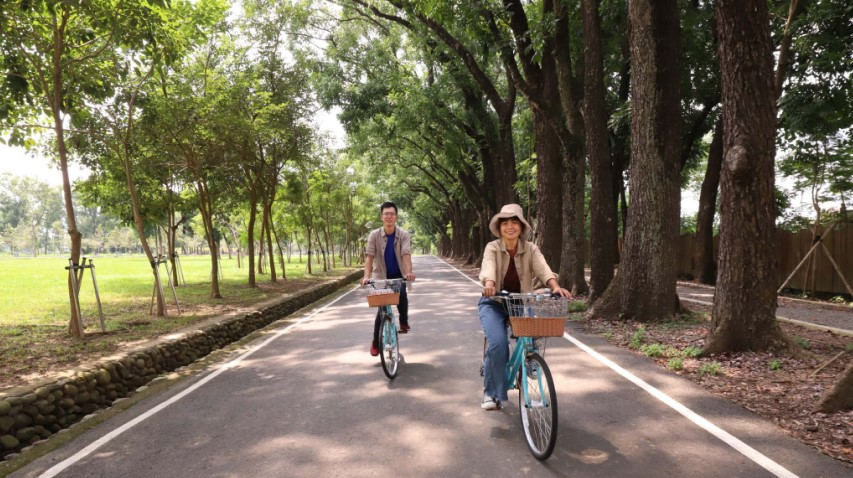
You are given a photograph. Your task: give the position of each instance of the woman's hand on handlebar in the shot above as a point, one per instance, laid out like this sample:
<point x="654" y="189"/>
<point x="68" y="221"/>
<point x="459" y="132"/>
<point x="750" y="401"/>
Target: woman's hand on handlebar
<point x="562" y="292"/>
<point x="489" y="289"/>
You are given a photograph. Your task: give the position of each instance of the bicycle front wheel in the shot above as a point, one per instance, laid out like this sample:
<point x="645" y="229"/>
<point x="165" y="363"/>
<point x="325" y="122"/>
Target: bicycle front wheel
<point x="390" y="348"/>
<point x="537" y="405"/>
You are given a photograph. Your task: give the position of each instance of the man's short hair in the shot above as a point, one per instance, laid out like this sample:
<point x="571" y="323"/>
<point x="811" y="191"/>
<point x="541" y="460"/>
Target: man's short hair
<point x="388" y="204"/>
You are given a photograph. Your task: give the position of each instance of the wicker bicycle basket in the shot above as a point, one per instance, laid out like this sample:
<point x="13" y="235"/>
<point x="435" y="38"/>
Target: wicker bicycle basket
<point x="389" y="294"/>
<point x="534" y="315"/>
<point x="383" y="298"/>
<point x="537" y="326"/>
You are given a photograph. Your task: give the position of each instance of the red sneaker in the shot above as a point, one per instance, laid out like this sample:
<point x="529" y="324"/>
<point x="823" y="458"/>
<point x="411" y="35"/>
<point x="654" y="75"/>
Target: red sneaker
<point x="404" y="328"/>
<point x="374" y="349"/>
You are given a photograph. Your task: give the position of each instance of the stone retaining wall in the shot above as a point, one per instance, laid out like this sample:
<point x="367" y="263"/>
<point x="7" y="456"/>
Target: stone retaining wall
<point x="30" y="414"/>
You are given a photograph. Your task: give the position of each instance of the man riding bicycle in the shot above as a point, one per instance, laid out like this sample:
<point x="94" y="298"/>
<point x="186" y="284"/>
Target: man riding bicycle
<point x="389" y="256"/>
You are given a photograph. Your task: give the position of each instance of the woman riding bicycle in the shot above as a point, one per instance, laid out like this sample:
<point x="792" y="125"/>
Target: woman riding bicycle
<point x="510" y="263"/>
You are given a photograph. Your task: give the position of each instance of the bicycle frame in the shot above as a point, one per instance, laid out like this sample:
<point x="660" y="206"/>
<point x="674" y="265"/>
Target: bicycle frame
<point x="523" y="347"/>
<point x="527" y="370"/>
<point x="386" y="309"/>
<point x="388" y="342"/>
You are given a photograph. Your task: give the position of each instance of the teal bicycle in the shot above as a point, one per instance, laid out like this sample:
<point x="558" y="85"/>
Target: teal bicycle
<point x="389" y="346"/>
<point x="532" y="318"/>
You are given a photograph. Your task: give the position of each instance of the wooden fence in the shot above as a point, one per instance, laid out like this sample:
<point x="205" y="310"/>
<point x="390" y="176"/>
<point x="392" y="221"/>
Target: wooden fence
<point x="791" y="248"/>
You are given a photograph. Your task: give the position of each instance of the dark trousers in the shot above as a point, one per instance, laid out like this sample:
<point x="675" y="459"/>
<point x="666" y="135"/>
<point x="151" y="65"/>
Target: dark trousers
<point x="402" y="310"/>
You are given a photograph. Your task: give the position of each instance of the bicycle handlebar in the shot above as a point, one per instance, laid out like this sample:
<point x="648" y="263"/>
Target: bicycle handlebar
<point x="385" y="281"/>
<point x="510" y="295"/>
<point x="393" y="284"/>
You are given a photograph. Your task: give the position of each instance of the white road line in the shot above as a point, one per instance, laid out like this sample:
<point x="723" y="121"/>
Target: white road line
<point x="741" y="447"/>
<point x="61" y="466"/>
<point x="718" y="432"/>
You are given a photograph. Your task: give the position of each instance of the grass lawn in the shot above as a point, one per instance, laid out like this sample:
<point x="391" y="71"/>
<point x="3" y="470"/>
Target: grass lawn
<point x="35" y="309"/>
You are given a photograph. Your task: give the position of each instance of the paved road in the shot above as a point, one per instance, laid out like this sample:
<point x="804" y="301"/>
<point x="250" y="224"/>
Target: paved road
<point x="838" y="318"/>
<point x="308" y="400"/>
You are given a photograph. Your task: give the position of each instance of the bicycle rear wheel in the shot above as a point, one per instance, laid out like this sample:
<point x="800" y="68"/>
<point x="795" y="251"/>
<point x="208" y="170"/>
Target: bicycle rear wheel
<point x="389" y="347"/>
<point x="537" y="405"/>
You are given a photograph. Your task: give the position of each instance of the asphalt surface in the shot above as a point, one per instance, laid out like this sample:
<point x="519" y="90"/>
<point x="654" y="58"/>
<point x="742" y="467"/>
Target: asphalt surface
<point x="309" y="400"/>
<point x="820" y="315"/>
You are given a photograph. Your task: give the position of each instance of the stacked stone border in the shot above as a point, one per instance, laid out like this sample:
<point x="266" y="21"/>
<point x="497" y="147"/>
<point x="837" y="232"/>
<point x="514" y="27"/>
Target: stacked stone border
<point x="32" y="413"/>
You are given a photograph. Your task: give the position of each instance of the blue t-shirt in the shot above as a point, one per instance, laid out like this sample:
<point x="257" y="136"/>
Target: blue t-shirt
<point x="392" y="269"/>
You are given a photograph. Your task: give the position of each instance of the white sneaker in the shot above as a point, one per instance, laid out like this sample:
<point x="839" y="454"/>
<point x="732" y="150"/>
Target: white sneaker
<point x="489" y="403"/>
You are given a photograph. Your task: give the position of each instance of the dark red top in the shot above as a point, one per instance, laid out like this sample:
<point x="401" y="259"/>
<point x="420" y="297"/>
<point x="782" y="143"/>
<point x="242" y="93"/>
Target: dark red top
<point x="511" y="282"/>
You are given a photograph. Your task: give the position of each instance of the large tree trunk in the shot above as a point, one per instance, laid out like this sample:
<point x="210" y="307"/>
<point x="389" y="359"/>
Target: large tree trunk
<point x="603" y="227"/>
<point x="281" y="253"/>
<point x="322" y="247"/>
<point x="497" y="149"/>
<point x="704" y="264"/>
<point x="124" y="153"/>
<point x="459" y="234"/>
<point x="549" y="187"/>
<point x="329" y="257"/>
<point x="250" y="232"/>
<point x="540" y="86"/>
<point x="840" y="396"/>
<point x="647" y="271"/>
<point x="205" y="203"/>
<point x="53" y="88"/>
<point x="267" y="226"/>
<point x="621" y="147"/>
<point x="571" y="136"/>
<point x="505" y="157"/>
<point x="478" y="210"/>
<point x="171" y="239"/>
<point x="140" y="232"/>
<point x="75" y="322"/>
<point x="261" y="247"/>
<point x="236" y="239"/>
<point x="308" y="233"/>
<point x="745" y="299"/>
<point x="572" y="256"/>
<point x="704" y="260"/>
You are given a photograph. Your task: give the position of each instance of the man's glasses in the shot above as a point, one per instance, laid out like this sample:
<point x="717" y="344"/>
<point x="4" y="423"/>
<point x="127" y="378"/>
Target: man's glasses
<point x="389" y="213"/>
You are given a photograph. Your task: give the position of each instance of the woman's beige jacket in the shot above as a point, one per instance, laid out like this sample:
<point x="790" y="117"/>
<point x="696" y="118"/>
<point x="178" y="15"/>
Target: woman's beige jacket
<point x="529" y="262"/>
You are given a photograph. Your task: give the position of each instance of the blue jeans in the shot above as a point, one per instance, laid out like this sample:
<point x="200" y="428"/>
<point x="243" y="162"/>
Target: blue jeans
<point x="402" y="311"/>
<point x="493" y="319"/>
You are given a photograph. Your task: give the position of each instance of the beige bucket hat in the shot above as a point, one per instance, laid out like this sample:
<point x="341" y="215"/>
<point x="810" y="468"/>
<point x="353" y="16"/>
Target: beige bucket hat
<point x="509" y="210"/>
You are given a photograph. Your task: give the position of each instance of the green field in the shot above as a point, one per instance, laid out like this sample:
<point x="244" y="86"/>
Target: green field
<point x="35" y="290"/>
<point x="34" y="337"/>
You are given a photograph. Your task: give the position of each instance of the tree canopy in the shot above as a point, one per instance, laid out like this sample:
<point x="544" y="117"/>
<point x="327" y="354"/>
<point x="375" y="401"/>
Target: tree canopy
<point x="197" y="119"/>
